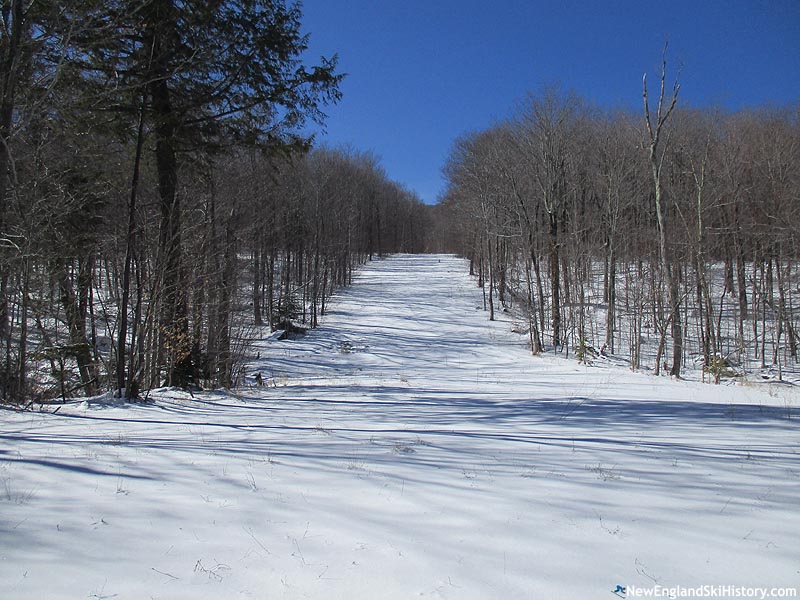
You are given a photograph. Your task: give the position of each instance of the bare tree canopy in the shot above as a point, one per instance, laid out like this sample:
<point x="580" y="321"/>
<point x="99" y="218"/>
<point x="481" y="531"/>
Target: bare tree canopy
<point x="615" y="233"/>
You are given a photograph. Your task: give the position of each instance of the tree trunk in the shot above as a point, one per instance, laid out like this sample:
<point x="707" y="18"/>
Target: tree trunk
<point x="160" y="22"/>
<point x="656" y="156"/>
<point x="122" y="380"/>
<point x="555" y="280"/>
<point x="490" y="262"/>
<point x="611" y="297"/>
<point x="227" y="287"/>
<point x="533" y="330"/>
<point x="79" y="346"/>
<point x="258" y="275"/>
<point x="742" y="289"/>
<point x="10" y="53"/>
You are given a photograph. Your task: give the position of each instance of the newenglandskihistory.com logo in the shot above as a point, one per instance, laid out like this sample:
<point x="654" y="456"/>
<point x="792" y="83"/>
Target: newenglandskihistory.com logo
<point x="704" y="591"/>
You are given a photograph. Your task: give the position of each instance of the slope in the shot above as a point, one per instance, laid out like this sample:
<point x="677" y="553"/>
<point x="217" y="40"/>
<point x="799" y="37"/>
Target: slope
<point x="406" y="448"/>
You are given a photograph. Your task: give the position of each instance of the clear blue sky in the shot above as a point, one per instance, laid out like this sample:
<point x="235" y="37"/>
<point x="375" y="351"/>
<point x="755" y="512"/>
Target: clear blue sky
<point x="423" y="72"/>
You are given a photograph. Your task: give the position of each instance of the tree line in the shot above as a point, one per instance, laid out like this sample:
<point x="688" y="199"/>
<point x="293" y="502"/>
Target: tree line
<point x="159" y="195"/>
<point x="664" y="236"/>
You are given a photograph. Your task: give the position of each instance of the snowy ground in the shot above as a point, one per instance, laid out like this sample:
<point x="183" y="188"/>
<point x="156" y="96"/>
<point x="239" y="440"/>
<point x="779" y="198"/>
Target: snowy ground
<point x="407" y="448"/>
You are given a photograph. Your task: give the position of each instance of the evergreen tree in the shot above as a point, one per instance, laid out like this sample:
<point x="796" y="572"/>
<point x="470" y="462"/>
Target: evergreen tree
<point x="205" y="76"/>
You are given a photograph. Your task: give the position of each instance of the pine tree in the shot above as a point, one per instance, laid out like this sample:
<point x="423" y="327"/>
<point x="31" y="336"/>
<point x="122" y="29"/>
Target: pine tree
<point x="205" y="76"/>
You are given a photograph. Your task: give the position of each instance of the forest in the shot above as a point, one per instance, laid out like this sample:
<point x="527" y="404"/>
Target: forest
<point x="666" y="236"/>
<point x="163" y="202"/>
<point x="161" y="194"/>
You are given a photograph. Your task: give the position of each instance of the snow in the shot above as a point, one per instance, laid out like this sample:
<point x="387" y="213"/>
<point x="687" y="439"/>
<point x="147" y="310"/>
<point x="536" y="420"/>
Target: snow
<point x="407" y="448"/>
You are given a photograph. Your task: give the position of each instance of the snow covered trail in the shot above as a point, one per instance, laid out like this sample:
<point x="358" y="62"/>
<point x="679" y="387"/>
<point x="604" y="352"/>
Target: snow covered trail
<point x="407" y="448"/>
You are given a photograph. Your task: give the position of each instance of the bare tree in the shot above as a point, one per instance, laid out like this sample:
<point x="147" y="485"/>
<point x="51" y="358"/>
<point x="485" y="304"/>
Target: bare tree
<point x="656" y="147"/>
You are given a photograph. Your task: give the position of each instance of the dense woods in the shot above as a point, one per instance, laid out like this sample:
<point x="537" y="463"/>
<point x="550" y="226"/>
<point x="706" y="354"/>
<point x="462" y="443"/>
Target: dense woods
<point x="663" y="237"/>
<point x="160" y="203"/>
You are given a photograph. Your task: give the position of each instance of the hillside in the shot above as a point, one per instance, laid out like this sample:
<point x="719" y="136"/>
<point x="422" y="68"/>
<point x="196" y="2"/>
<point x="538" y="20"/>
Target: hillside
<point x="408" y="447"/>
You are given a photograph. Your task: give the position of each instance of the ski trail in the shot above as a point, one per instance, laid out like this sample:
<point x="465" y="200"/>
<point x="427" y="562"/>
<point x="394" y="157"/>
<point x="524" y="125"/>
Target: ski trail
<point x="406" y="448"/>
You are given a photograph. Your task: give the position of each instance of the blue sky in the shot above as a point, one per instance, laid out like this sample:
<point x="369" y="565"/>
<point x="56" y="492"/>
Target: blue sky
<point x="421" y="73"/>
